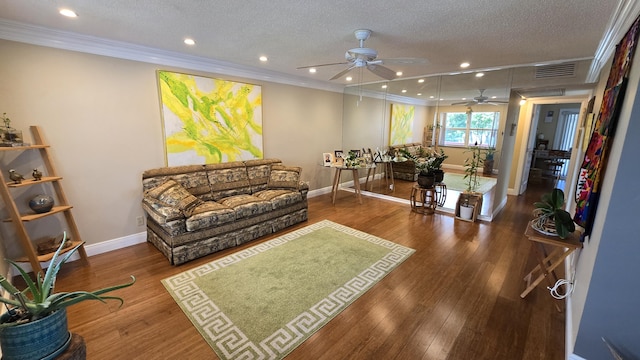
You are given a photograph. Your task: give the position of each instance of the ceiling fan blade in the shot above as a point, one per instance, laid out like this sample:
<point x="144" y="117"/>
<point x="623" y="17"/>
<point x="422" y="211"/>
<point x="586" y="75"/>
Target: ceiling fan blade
<point x="405" y="61"/>
<point x="465" y="103"/>
<point x="342" y="72"/>
<point x="382" y="71"/>
<point x="319" y="65"/>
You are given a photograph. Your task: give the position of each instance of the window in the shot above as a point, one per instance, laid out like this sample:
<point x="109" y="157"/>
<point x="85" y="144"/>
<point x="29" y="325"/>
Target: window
<point x="470" y="128"/>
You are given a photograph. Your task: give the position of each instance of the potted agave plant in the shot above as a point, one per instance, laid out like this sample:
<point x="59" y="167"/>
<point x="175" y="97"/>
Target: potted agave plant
<point x="37" y="316"/>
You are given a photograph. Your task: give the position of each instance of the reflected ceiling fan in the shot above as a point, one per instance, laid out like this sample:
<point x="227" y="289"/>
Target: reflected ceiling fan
<point x="480" y="100"/>
<point x="362" y="57"/>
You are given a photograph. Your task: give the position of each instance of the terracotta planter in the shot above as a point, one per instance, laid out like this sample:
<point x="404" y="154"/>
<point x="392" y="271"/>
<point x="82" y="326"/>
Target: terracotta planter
<point x="46" y="338"/>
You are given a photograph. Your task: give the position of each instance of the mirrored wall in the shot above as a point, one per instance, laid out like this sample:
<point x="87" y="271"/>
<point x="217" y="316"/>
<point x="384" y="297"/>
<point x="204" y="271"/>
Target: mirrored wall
<point x="367" y="115"/>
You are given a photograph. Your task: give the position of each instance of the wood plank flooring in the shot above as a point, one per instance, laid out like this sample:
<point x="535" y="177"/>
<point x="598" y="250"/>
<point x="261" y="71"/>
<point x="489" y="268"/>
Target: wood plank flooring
<point x="457" y="297"/>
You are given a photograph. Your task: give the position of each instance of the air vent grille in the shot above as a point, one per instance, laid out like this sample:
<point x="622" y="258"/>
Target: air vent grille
<point x="555" y="71"/>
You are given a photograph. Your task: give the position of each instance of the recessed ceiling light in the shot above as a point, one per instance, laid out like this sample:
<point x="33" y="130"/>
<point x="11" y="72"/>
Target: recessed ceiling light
<point x="464" y="98"/>
<point x="431" y="97"/>
<point x="399" y="73"/>
<point x="384" y="86"/>
<point x="479" y="74"/>
<point x="421" y="81"/>
<point x="68" y="13"/>
<point x="419" y="94"/>
<point x="312" y="70"/>
<point x="494" y="97"/>
<point x="404" y="90"/>
<point x="349" y="78"/>
<point x="523" y="101"/>
<point x="464" y="65"/>
<point x="189" y="41"/>
<point x="263" y="58"/>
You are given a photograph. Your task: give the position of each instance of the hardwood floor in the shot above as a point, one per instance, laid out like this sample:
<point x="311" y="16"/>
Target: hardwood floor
<point x="457" y="297"/>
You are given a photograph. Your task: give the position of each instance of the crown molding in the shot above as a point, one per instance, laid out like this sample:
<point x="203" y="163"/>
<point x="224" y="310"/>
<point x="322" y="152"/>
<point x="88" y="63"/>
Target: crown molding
<point x="621" y="20"/>
<point x="41" y="36"/>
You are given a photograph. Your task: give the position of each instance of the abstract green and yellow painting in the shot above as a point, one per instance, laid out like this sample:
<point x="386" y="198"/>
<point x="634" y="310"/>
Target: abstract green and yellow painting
<point x="401" y="128"/>
<point x="209" y="121"/>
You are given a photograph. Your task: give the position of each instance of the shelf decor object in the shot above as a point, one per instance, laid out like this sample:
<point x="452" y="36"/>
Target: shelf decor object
<point x="62" y="206"/>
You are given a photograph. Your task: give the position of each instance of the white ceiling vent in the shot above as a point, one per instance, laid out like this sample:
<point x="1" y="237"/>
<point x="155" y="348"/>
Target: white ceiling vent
<point x="541" y="93"/>
<point x="555" y="71"/>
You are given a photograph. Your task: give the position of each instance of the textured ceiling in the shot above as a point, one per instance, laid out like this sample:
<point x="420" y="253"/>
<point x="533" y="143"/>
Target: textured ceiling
<point x="487" y="34"/>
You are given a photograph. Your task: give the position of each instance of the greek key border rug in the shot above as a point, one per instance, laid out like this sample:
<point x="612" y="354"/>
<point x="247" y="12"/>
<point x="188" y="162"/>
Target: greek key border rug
<point x="264" y="301"/>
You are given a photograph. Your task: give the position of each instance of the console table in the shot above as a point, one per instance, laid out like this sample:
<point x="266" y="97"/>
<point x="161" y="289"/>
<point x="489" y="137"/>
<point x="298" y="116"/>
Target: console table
<point x="356" y="181"/>
<point x="385" y="167"/>
<point x="548" y="261"/>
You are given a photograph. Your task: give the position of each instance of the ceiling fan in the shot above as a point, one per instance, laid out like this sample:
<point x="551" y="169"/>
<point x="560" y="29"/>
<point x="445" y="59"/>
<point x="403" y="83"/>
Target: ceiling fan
<point x="362" y="57"/>
<point x="479" y="100"/>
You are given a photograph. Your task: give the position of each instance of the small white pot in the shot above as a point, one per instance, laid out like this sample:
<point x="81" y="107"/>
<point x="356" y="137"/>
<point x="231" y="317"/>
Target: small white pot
<point x="466" y="212"/>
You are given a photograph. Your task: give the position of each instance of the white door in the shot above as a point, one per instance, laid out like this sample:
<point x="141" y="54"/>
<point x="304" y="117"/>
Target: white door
<point x="528" y="156"/>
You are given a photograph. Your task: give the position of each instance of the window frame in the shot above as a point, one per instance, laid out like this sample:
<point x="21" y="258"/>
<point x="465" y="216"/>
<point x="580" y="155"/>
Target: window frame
<point x="468" y="130"/>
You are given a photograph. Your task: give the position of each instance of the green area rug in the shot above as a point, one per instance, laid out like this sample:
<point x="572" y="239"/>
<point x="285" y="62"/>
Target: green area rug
<point x="264" y="301"/>
<point x="459" y="183"/>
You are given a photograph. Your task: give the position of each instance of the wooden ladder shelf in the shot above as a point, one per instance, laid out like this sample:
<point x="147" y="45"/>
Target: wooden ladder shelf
<point x="62" y="205"/>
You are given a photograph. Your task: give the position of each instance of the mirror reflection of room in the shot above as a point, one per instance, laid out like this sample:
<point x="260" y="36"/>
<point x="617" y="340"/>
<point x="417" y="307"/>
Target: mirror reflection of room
<point x="554" y="137"/>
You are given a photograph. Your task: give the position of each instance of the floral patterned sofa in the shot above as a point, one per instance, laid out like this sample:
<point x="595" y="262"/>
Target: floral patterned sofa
<point x="405" y="170"/>
<point x="196" y="210"/>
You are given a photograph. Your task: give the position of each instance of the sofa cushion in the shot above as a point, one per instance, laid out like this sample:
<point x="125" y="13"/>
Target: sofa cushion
<point x="284" y="177"/>
<point x="246" y="205"/>
<point x="279" y="198"/>
<point x="227" y="179"/>
<point x="191" y="177"/>
<point x="258" y="171"/>
<point x="173" y="194"/>
<point x="208" y="214"/>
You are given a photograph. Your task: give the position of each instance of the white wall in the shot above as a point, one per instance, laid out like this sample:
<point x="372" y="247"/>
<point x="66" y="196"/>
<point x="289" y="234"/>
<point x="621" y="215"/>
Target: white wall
<point x="101" y="116"/>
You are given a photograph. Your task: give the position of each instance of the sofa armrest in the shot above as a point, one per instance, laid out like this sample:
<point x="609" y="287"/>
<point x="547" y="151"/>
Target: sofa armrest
<point x="303" y="187"/>
<point x="160" y="212"/>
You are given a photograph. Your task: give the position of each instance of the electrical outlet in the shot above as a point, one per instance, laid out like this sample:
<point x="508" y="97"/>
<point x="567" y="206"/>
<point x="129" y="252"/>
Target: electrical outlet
<point x="140" y="221"/>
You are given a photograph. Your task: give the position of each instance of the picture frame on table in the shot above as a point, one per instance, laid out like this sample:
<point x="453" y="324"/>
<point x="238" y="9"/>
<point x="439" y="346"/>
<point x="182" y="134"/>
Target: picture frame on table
<point x="327" y="159"/>
<point x="338" y="160"/>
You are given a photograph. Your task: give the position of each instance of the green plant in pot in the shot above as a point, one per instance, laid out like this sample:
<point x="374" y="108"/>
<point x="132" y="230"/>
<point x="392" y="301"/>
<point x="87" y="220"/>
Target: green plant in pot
<point x="471" y="166"/>
<point x="37" y="315"/>
<point x="551" y="217"/>
<point x="489" y="155"/>
<point x="428" y="163"/>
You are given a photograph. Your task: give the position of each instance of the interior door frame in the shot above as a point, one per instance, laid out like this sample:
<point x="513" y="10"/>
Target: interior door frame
<point x="528" y="128"/>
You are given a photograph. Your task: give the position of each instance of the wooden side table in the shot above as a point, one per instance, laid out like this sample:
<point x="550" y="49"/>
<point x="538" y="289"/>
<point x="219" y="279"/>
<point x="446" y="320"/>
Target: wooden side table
<point x="423" y="200"/>
<point x="548" y="261"/>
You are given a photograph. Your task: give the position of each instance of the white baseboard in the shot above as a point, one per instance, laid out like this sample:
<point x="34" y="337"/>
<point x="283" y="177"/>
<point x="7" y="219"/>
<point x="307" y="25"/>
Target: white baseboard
<point x="93" y="249"/>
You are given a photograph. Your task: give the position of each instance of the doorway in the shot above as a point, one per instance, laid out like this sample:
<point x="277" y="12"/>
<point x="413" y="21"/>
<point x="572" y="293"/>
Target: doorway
<point x="548" y="144"/>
